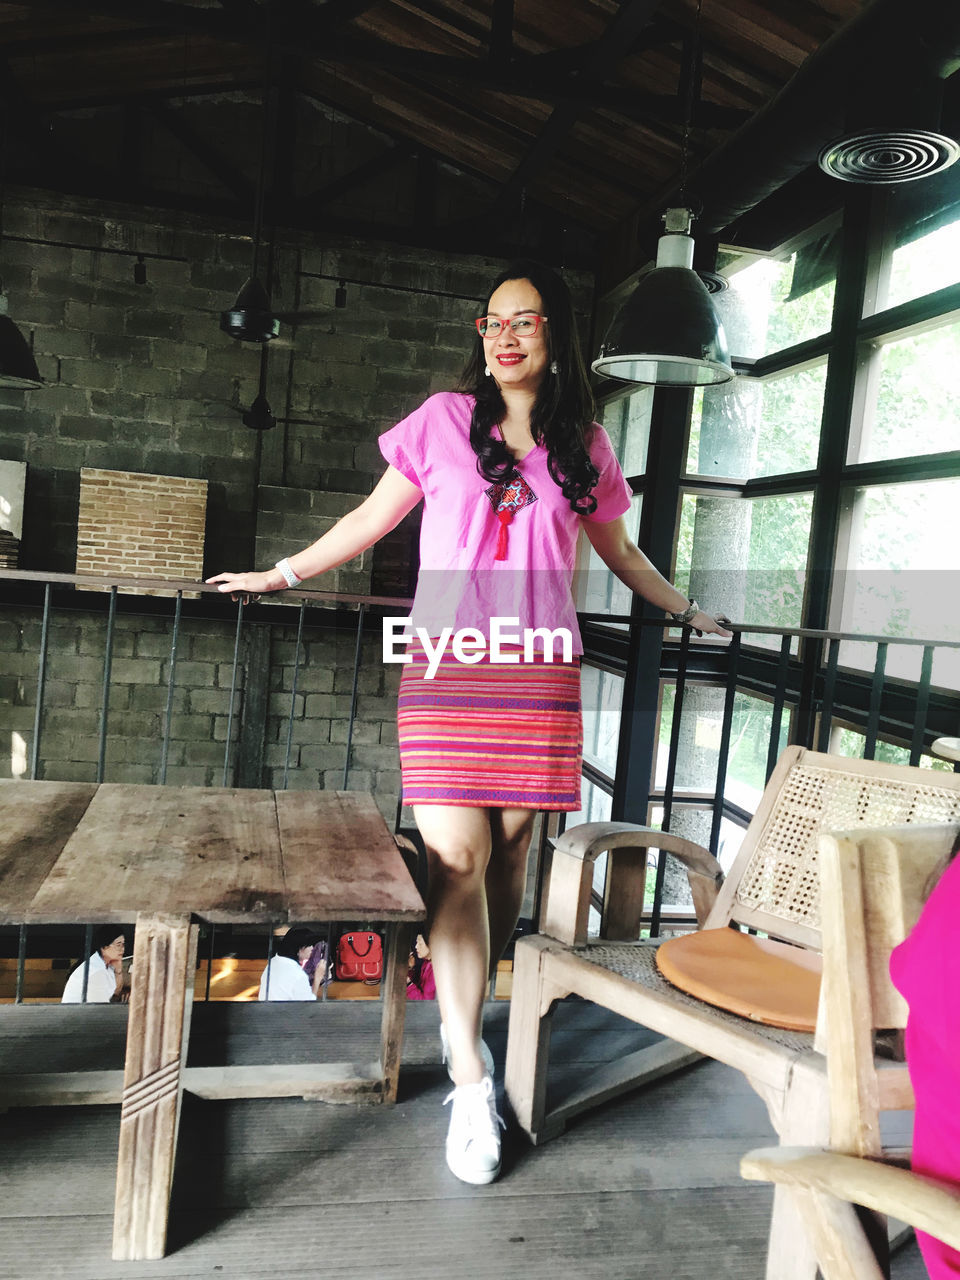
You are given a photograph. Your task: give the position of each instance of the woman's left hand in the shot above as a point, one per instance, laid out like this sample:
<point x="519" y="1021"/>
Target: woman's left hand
<point x="705" y="623"/>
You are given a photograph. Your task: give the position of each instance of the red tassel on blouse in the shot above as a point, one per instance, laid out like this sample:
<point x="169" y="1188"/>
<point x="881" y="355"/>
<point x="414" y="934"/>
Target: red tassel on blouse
<point x="505" y="516"/>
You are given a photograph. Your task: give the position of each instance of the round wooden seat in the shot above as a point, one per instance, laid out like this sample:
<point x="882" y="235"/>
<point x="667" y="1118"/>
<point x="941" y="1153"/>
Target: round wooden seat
<point x="757" y="978"/>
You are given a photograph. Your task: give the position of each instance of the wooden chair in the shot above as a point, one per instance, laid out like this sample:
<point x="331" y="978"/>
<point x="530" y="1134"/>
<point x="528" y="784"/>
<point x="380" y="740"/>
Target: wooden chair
<point x="873" y="885"/>
<point x="773" y="887"/>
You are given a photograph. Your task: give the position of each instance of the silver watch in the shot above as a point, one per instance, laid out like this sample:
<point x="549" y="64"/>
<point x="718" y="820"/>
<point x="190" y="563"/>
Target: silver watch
<point x="687" y="615"/>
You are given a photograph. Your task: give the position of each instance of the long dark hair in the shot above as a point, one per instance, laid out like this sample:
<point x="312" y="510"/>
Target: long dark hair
<point x="564" y="405"/>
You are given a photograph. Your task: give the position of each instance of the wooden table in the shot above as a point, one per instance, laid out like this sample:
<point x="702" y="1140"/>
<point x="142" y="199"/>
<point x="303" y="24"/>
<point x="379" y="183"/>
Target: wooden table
<point x="165" y="856"/>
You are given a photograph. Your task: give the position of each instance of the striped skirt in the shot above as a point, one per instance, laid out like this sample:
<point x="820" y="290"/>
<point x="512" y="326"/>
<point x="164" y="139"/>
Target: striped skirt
<point x="491" y="735"/>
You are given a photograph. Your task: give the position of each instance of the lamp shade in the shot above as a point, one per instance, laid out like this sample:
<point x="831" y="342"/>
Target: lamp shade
<point x="17" y="365"/>
<point x="259" y="416"/>
<point x="251" y="318"/>
<point x="667" y="332"/>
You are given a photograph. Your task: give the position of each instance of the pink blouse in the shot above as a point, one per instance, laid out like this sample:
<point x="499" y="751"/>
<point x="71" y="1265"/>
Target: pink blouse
<point x="493" y="550"/>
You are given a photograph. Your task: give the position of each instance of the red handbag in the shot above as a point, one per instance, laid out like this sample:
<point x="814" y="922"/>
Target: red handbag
<point x="360" y="957"/>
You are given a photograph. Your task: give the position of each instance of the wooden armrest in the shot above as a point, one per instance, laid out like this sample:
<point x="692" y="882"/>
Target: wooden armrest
<point x="571" y="873"/>
<point x="925" y="1203"/>
<point x="589" y="839"/>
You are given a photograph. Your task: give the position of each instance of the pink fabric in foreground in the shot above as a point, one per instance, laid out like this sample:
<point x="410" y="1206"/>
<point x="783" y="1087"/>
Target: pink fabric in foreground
<point x="926" y="971"/>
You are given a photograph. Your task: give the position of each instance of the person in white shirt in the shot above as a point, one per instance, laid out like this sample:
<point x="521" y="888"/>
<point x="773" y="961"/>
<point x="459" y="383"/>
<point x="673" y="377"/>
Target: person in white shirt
<point x="284" y="978"/>
<point x="104" y="969"/>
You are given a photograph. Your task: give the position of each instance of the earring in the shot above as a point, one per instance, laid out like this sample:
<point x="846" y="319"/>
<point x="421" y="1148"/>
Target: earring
<point x="486" y="372"/>
<point x="554" y="367"/>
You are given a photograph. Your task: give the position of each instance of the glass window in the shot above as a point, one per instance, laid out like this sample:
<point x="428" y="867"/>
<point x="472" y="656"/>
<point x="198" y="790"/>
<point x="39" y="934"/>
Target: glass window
<point x="758" y="426"/>
<point x="777" y="300"/>
<point x="848" y="742"/>
<point x="699" y="745"/>
<point x="627" y="423"/>
<point x="923" y="239"/>
<point x="699" y="741"/>
<point x="907" y="394"/>
<point x="898" y="576"/>
<point x="602" y="694"/>
<point x="596" y="589"/>
<point x="746" y="557"/>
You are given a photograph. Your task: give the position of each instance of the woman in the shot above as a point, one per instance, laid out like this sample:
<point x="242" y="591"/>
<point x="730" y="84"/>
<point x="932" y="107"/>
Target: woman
<point x="926" y="971"/>
<point x="510" y="470"/>
<point x="421" y="984"/>
<point x="284" y="977"/>
<point x="104" y="969"/>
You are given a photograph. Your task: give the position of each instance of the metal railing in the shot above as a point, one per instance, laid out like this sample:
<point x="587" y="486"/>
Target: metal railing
<point x="54" y="596"/>
<point x="810" y="687"/>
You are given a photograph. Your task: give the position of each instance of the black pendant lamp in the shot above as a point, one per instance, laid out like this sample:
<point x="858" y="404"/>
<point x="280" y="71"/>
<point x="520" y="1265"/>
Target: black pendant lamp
<point x="251" y="317"/>
<point x="18" y="368"/>
<point x="668" y="332"/>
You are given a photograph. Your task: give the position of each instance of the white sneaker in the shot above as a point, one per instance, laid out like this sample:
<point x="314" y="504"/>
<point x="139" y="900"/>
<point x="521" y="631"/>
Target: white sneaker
<point x="485" y="1053"/>
<point x="473" y="1139"/>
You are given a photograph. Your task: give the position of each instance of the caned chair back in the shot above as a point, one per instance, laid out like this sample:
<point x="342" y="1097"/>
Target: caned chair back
<point x="874" y="884"/>
<point x="774" y="885"/>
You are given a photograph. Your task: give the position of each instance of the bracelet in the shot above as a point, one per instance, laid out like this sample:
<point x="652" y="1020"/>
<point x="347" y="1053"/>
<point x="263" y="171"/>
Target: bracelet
<point x="686" y="615"/>
<point x="289" y="574"/>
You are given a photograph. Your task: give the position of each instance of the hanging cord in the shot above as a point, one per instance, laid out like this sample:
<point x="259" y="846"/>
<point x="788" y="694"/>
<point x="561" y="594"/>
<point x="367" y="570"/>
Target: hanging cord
<point x="691" y="96"/>
<point x="4" y="138"/>
<point x="268" y="143"/>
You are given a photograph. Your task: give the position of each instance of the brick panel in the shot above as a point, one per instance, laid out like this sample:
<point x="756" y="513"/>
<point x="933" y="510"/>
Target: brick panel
<point x="141" y="525"/>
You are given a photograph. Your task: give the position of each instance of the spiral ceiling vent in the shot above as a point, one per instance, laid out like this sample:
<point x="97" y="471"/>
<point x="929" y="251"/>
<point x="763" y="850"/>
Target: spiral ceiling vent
<point x="894" y="155"/>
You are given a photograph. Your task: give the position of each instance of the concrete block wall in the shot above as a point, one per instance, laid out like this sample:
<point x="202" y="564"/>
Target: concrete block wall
<point x="205" y="688"/>
<point x="140" y="378"/>
<point x="289" y="519"/>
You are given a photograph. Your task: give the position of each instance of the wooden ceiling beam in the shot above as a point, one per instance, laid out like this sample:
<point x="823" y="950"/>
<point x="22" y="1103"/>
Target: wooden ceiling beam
<point x="212" y="159"/>
<point x="378" y="165"/>
<point x="615" y="44"/>
<point x="427" y="145"/>
<point x="501" y="33"/>
<point x="529" y="78"/>
<point x="147" y="97"/>
<point x="303" y="28"/>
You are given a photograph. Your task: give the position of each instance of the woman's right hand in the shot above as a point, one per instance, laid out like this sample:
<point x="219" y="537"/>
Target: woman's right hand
<point x="247" y="585"/>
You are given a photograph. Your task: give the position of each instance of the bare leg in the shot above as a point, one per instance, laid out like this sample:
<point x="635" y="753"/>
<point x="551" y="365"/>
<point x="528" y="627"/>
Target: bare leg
<point x="459" y="845"/>
<point x="506" y="875"/>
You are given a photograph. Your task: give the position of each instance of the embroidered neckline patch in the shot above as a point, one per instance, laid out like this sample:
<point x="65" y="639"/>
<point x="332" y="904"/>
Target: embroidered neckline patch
<point x="508" y="497"/>
<point x="511" y="495"/>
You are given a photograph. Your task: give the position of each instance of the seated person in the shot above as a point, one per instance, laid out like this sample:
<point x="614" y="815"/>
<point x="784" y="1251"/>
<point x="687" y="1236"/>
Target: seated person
<point x="284" y="977"/>
<point x="420" y="981"/>
<point x="104" y="969"/>
<point x="926" y="971"/>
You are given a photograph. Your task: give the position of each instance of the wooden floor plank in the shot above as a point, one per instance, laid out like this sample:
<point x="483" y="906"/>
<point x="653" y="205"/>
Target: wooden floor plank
<point x="646" y="1186"/>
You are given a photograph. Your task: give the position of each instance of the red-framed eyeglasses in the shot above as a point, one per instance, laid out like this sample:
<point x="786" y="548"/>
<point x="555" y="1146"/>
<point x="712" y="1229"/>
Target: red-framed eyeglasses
<point x="524" y="326"/>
